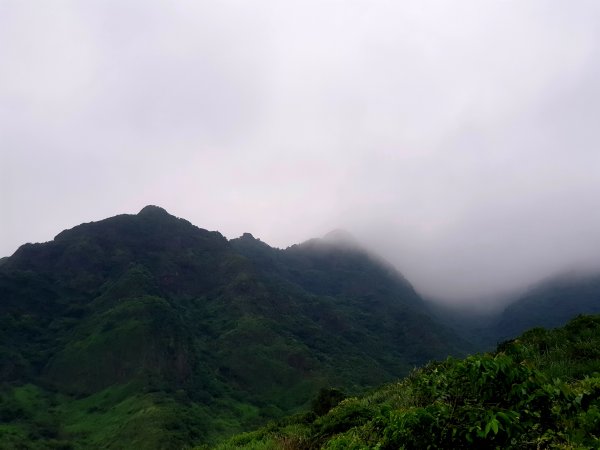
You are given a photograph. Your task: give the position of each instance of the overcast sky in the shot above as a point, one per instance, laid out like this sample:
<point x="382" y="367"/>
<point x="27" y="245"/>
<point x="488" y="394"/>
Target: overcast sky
<point x="460" y="139"/>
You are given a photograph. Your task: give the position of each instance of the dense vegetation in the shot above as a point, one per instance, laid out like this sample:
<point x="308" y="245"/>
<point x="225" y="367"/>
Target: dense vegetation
<point x="539" y="391"/>
<point x="144" y="330"/>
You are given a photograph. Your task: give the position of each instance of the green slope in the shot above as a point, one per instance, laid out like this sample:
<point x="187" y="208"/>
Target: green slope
<point x="144" y="330"/>
<point x="539" y="391"/>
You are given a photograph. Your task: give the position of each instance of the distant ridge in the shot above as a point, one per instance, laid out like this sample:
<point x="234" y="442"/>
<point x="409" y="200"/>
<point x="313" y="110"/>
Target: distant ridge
<point x="551" y="303"/>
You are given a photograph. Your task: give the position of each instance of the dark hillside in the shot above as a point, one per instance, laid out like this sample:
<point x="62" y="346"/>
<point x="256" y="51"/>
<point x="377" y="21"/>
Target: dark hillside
<point x="551" y="303"/>
<point x="149" y="315"/>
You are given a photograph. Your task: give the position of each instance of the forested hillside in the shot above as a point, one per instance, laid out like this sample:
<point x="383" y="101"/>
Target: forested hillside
<point x="144" y="330"/>
<point x="541" y="390"/>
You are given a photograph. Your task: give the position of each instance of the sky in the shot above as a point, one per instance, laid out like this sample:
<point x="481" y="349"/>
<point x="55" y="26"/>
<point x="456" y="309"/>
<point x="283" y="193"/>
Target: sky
<point x="460" y="140"/>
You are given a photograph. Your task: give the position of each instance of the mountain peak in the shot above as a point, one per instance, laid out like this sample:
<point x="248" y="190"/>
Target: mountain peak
<point x="154" y="210"/>
<point x="341" y="237"/>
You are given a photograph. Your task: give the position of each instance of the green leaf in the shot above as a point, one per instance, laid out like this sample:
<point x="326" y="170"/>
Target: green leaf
<point x="494" y="424"/>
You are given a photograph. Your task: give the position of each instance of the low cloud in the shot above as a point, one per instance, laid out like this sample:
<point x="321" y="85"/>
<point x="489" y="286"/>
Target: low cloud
<point x="458" y="140"/>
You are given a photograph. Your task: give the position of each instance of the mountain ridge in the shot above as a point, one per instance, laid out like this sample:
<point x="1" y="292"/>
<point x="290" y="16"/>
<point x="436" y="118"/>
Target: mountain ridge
<point x="155" y="307"/>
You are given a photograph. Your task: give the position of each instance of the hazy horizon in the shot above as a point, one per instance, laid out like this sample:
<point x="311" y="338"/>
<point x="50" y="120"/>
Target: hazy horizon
<point x="458" y="140"/>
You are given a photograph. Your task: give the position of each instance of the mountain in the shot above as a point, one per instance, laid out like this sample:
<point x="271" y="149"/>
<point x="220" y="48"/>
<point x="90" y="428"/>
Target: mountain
<point x="541" y="390"/>
<point x="145" y="330"/>
<point x="551" y="303"/>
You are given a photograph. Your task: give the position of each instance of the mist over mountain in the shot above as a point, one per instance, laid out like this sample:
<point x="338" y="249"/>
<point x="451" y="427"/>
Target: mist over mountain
<point x="551" y="303"/>
<point x="458" y="142"/>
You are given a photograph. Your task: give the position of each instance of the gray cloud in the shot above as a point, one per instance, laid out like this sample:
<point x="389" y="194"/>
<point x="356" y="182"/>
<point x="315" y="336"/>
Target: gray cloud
<point x="459" y="139"/>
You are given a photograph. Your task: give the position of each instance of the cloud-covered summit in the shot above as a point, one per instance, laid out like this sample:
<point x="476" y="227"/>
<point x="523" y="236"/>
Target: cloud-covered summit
<point x="460" y="140"/>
